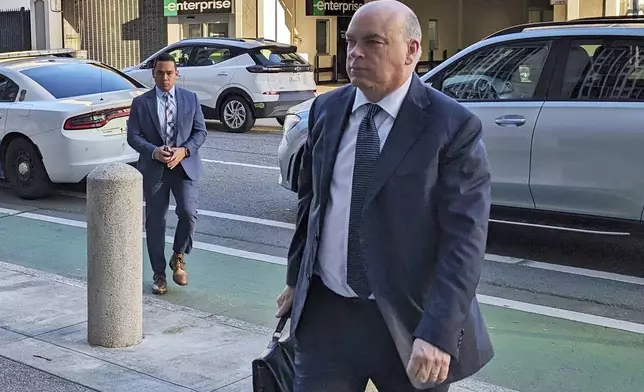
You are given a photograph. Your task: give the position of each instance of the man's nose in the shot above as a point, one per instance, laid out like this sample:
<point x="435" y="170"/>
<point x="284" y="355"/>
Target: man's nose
<point x="355" y="52"/>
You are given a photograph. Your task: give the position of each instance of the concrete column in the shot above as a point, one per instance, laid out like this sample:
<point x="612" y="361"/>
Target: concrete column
<point x="239" y="18"/>
<point x="175" y="33"/>
<point x="613" y="7"/>
<point x="114" y="256"/>
<point x="46" y="24"/>
<point x="572" y="9"/>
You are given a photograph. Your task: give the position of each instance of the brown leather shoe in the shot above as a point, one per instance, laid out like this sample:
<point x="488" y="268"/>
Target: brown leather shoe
<point x="160" y="285"/>
<point x="178" y="265"/>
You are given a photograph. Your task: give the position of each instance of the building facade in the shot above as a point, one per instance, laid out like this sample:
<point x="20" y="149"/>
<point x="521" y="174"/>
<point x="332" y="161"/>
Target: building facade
<point x="124" y="32"/>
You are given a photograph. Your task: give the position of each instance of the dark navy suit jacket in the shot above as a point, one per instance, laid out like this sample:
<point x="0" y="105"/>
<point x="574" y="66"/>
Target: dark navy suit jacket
<point x="424" y="223"/>
<point x="144" y="132"/>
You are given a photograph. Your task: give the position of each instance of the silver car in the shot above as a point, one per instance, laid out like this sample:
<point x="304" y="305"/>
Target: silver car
<point x="562" y="106"/>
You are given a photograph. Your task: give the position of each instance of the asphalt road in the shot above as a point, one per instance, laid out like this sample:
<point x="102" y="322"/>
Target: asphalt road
<point x="243" y="209"/>
<point x="240" y="178"/>
<point x="16" y="377"/>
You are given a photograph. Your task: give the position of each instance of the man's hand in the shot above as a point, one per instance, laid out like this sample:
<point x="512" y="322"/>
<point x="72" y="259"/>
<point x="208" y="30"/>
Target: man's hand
<point x="161" y="155"/>
<point x="178" y="154"/>
<point x="428" y="363"/>
<point x="285" y="301"/>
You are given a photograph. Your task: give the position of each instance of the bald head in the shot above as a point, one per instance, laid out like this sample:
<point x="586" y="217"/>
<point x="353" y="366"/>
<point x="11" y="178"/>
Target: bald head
<point x="398" y="13"/>
<point x="383" y="47"/>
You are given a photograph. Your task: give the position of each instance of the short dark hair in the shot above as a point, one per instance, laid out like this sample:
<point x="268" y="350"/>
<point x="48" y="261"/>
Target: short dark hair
<point x="164" y="57"/>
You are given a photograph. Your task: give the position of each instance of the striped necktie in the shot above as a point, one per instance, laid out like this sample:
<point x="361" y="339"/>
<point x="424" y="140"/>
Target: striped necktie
<point x="169" y="120"/>
<point x="367" y="152"/>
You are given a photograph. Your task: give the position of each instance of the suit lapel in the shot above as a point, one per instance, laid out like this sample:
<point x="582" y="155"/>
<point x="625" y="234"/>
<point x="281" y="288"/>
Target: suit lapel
<point x="178" y="118"/>
<point x="151" y="102"/>
<point x="411" y="122"/>
<point x="332" y="135"/>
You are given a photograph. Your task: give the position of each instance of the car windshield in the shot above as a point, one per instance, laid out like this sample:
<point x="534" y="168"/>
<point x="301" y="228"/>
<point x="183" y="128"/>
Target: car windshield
<point x="64" y="80"/>
<point x="277" y="57"/>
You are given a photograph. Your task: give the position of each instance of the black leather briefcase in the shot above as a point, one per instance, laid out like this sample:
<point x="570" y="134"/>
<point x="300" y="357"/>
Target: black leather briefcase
<point x="273" y="370"/>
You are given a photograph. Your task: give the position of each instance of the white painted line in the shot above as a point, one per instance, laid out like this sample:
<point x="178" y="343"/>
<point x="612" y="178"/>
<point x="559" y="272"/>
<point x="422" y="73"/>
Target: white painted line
<point x="272" y="223"/>
<point x="615" y="233"/>
<point x="584" y="272"/>
<point x="168" y="239"/>
<point x="53" y="219"/>
<point x="8" y="211"/>
<point x="243" y="218"/>
<point x="233" y="252"/>
<point x="240" y="164"/>
<point x="471" y="385"/>
<point x="562" y="314"/>
<point x="489" y="300"/>
<point x="502" y="259"/>
<point x="215" y="214"/>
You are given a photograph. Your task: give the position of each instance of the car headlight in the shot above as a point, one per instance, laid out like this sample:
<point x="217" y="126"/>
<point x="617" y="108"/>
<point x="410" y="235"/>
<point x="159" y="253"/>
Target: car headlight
<point x="290" y="121"/>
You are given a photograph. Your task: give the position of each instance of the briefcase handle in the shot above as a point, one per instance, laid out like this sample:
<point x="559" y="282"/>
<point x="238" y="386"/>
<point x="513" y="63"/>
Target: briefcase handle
<point x="280" y="326"/>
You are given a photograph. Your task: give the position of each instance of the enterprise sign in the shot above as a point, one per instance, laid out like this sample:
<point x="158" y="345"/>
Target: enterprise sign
<point x="332" y="7"/>
<point x="185" y="7"/>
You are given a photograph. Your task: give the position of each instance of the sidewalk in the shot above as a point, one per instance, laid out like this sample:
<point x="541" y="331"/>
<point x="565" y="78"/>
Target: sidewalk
<point x="43" y="326"/>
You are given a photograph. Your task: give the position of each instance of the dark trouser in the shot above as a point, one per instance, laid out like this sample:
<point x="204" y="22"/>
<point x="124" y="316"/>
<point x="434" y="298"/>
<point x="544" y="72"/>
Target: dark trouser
<point x="157" y="199"/>
<point x="341" y="343"/>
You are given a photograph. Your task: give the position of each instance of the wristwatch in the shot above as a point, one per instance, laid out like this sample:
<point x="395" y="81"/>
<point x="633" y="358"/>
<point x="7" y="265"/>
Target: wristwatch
<point x="187" y="152"/>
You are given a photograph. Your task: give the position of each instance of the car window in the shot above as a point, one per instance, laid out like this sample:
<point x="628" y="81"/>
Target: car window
<point x="181" y="55"/>
<point x="64" y="80"/>
<point x="8" y="89"/>
<point x="277" y="57"/>
<point x="495" y="73"/>
<point x="602" y="70"/>
<point x="204" y="56"/>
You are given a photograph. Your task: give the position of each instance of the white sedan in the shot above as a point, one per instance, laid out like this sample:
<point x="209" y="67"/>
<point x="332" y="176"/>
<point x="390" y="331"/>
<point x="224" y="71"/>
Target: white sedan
<point x="60" y="117"/>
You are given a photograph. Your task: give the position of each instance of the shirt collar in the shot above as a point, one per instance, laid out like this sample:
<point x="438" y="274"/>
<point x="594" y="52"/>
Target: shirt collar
<point x="390" y="104"/>
<point x="160" y="93"/>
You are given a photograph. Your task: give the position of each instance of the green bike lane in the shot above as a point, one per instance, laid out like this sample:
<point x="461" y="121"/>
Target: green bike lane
<point x="534" y="353"/>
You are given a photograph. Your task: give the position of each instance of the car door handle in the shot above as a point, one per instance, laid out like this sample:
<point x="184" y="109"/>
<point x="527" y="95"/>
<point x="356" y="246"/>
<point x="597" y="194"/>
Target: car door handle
<point x="511" y="120"/>
<point x="223" y="74"/>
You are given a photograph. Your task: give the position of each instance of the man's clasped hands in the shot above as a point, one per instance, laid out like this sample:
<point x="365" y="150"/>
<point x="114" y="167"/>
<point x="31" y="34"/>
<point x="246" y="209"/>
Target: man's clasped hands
<point x="171" y="156"/>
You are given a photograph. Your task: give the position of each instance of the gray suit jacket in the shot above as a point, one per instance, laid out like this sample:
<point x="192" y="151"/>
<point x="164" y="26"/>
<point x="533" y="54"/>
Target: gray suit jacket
<point x="144" y="131"/>
<point x="424" y="223"/>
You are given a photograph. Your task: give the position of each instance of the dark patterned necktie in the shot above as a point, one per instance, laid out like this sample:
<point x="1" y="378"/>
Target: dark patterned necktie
<point x="367" y="152"/>
<point x="169" y="116"/>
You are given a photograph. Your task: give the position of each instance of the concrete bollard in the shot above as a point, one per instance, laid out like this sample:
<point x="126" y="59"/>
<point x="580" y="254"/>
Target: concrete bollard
<point x="114" y="256"/>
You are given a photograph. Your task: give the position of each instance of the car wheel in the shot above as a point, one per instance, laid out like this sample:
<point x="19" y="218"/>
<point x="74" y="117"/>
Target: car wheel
<point x="25" y="170"/>
<point x="280" y="120"/>
<point x="236" y="115"/>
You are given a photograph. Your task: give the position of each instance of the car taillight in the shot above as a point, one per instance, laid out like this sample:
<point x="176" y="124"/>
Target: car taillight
<point x="285" y="68"/>
<point x="96" y="119"/>
<point x="262" y="69"/>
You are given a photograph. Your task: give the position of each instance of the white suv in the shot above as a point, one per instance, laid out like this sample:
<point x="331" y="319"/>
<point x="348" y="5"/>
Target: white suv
<point x="237" y="80"/>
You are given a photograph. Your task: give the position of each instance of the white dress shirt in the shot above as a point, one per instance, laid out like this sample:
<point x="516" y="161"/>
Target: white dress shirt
<point x="332" y="255"/>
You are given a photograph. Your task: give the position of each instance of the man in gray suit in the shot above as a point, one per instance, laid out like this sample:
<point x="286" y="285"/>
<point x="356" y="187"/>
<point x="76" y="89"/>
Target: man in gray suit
<point x="167" y="128"/>
<point x="394" y="200"/>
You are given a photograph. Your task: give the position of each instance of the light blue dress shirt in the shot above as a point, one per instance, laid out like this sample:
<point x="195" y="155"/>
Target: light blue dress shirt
<point x="161" y="109"/>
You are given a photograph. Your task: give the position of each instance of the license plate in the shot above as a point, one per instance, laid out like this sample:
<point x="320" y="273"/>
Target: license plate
<point x="294" y="77"/>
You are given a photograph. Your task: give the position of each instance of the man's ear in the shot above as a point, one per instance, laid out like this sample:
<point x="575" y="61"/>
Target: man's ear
<point x="413" y="51"/>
